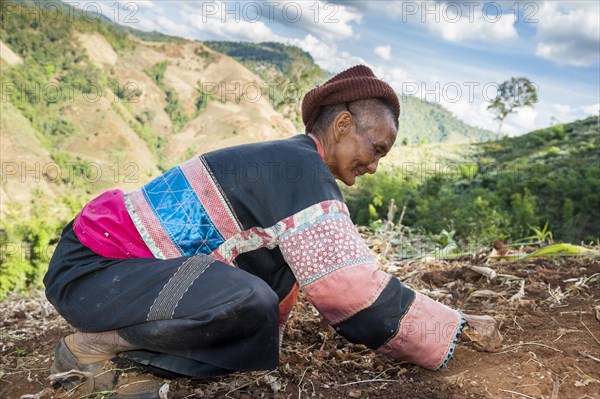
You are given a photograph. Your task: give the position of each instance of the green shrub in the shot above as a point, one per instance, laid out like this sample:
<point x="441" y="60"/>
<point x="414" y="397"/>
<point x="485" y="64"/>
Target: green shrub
<point x="553" y="151"/>
<point x="157" y="73"/>
<point x="27" y="241"/>
<point x="175" y="111"/>
<point x="524" y="212"/>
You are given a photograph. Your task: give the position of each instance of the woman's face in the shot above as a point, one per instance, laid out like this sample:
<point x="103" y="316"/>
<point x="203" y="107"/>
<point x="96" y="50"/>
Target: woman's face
<point x="358" y="152"/>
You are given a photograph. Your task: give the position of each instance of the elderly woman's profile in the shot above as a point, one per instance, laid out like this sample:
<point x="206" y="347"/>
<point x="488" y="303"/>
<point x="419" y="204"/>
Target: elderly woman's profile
<point x="195" y="273"/>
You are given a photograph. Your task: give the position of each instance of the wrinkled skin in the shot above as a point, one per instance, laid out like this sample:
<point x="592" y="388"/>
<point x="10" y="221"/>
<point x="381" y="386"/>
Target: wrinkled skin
<point x="482" y="333"/>
<point x="350" y="153"/>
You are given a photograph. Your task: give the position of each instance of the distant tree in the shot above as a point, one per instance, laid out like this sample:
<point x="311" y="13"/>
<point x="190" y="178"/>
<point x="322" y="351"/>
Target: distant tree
<point x="512" y="94"/>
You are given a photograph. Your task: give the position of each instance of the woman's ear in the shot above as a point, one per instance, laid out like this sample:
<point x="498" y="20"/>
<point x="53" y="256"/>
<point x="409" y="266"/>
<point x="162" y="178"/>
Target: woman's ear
<point x="342" y="124"/>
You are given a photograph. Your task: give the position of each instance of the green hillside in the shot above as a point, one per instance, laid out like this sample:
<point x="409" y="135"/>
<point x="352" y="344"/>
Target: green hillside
<point x="423" y="122"/>
<point x="560" y="166"/>
<point x="270" y="59"/>
<point x="500" y="190"/>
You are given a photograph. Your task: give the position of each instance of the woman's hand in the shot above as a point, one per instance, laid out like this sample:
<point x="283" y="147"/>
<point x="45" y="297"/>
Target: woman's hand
<point x="482" y="332"/>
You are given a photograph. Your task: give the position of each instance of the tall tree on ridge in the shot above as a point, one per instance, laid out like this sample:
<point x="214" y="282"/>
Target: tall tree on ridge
<point x="512" y="94"/>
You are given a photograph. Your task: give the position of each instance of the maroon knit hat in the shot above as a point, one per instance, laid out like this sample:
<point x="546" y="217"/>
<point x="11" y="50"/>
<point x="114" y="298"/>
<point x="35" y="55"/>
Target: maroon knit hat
<point x="356" y="83"/>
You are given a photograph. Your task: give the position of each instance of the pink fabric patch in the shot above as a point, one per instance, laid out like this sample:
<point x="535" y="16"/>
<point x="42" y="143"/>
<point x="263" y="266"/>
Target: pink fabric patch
<point x="346" y="291"/>
<point x="426" y="333"/>
<point x="104" y="226"/>
<point x="286" y="305"/>
<point x="332" y="263"/>
<point x="320" y="248"/>
<point x="215" y="254"/>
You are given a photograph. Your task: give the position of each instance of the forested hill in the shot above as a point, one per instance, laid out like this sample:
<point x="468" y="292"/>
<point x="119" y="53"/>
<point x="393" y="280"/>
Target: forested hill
<point x="270" y="59"/>
<point x="559" y="171"/>
<point x="88" y="96"/>
<point x="280" y="66"/>
<point x="423" y="122"/>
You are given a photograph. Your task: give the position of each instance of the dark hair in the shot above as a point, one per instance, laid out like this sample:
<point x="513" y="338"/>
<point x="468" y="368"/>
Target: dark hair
<point x="367" y="113"/>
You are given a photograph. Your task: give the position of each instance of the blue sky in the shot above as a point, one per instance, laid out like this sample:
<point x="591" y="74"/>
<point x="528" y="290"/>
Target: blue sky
<point x="442" y="51"/>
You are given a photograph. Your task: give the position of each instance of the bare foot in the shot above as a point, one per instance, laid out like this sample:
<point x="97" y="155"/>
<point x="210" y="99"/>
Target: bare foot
<point x="482" y="332"/>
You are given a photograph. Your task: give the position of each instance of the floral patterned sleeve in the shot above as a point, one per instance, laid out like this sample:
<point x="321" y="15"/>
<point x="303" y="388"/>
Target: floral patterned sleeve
<point x="341" y="279"/>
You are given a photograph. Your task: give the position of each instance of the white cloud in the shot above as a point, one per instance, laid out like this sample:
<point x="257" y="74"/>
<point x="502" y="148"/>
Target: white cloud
<point x="383" y="52"/>
<point x="473" y="113"/>
<point x="147" y="24"/>
<point x="562" y="109"/>
<point x="593" y="109"/>
<point x="326" y="20"/>
<point x="166" y="25"/>
<point x="253" y="22"/>
<point x="214" y="26"/>
<point x="569" y="32"/>
<point x="476" y="114"/>
<point x="456" y="26"/>
<point x="331" y="21"/>
<point x="149" y="4"/>
<point x="524" y="119"/>
<point x="326" y="54"/>
<point x="396" y="9"/>
<point x="458" y="21"/>
<point x="566" y="113"/>
<point x="395" y="77"/>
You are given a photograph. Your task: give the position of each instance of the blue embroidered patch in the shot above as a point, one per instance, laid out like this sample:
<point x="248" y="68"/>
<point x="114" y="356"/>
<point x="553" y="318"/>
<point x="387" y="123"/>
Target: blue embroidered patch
<point x="181" y="213"/>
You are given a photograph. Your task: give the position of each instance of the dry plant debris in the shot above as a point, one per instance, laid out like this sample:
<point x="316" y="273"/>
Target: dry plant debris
<point x="547" y="309"/>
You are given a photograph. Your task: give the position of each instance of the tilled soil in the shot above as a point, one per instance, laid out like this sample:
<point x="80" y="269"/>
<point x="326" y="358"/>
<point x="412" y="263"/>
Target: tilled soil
<point x="551" y="345"/>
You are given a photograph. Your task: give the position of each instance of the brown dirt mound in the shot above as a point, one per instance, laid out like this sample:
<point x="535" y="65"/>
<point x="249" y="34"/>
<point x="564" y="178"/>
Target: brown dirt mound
<point x="551" y="343"/>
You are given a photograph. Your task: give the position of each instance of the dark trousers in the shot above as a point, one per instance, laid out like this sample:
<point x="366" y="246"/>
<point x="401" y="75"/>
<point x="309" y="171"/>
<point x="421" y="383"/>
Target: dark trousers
<point x="191" y="315"/>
